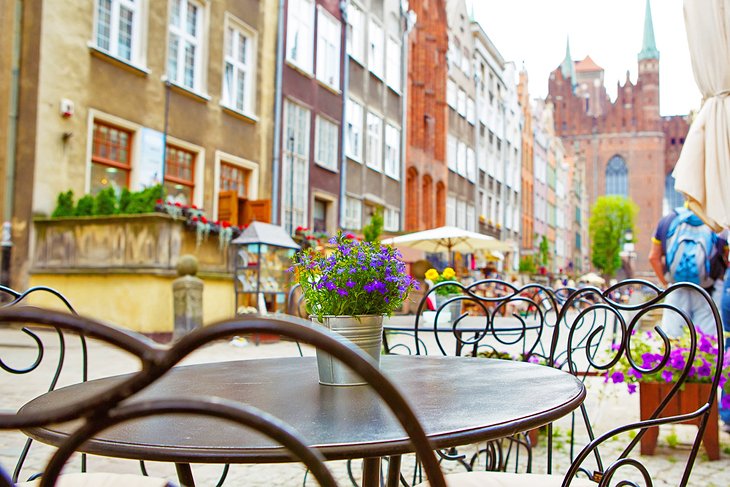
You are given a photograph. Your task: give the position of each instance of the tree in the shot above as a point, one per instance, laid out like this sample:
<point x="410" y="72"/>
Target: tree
<point x="372" y="230"/>
<point x="544" y="251"/>
<point x="611" y="218"/>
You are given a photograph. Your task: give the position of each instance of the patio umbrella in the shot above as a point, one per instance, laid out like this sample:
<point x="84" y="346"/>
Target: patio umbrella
<point x="702" y="172"/>
<point x="449" y="239"/>
<point x="592" y="278"/>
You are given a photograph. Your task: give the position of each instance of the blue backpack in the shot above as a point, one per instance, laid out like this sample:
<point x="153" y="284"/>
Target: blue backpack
<point x="689" y="247"/>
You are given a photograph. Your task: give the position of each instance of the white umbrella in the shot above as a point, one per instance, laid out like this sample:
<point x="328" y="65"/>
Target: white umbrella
<point x="592" y="278"/>
<point x="702" y="172"/>
<point x="449" y="239"/>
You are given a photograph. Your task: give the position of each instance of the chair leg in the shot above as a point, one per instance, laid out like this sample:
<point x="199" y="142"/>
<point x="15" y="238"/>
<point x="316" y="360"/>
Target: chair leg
<point x="185" y="474"/>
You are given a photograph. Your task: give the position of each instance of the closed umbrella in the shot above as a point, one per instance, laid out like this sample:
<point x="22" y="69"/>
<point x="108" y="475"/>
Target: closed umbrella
<point x="702" y="172"/>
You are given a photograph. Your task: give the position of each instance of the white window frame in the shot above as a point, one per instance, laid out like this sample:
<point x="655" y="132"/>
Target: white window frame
<point x="374" y="154"/>
<point x="328" y="133"/>
<point x="450" y="211"/>
<point x="353" y="213"/>
<point x="461" y="158"/>
<point x="300" y="35"/>
<point x="471" y="165"/>
<point x="393" y="64"/>
<point x="451" y="152"/>
<point x="136" y="54"/>
<point x="392" y="151"/>
<point x="461" y="102"/>
<point x="295" y="207"/>
<point x="391" y="219"/>
<point x="199" y="152"/>
<point x="376" y="51"/>
<point x="184" y="38"/>
<point x="356" y="32"/>
<point x="461" y="214"/>
<point x="354" y="137"/>
<point x="451" y="93"/>
<point x="470" y="110"/>
<point x="329" y="40"/>
<point x="471" y="218"/>
<point x="234" y="30"/>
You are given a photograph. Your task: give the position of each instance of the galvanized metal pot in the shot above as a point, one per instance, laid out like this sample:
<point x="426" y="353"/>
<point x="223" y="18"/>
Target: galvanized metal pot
<point x="365" y="331"/>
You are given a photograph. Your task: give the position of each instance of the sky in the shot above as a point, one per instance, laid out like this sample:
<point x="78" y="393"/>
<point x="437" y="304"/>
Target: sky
<point x="534" y="32"/>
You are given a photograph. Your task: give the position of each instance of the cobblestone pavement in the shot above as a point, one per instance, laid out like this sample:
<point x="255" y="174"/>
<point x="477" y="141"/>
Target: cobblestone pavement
<point x="609" y="405"/>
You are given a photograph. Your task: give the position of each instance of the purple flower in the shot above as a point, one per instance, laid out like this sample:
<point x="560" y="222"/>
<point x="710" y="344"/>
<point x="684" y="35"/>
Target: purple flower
<point x="533" y="359"/>
<point x="350" y="283"/>
<point x="635" y="373"/>
<point x="725" y="401"/>
<point x="617" y="377"/>
<point x="704" y="370"/>
<point x="667" y="375"/>
<point x="341" y="292"/>
<point x="632" y="388"/>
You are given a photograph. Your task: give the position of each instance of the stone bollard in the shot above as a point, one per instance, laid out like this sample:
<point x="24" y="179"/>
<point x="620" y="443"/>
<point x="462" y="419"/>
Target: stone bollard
<point x="187" y="296"/>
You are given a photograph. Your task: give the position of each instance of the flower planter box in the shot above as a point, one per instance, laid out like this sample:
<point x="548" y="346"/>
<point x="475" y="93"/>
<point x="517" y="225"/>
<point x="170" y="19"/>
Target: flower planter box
<point x="685" y="401"/>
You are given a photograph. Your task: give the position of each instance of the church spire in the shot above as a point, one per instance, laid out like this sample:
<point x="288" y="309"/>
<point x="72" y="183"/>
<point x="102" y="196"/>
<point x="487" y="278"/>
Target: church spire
<point x="648" y="48"/>
<point x="567" y="67"/>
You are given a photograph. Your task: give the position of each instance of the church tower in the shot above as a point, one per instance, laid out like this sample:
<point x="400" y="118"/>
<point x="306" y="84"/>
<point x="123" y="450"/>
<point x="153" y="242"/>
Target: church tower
<point x="648" y="81"/>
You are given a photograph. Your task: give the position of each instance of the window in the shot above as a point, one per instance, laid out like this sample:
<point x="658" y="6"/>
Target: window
<point x="672" y="197"/>
<point x="110" y="157"/>
<point x="391" y="220"/>
<point x="295" y="170"/>
<point x="393" y="69"/>
<point x="238" y="70"/>
<point x="179" y="174"/>
<point x="185" y="44"/>
<point x="471" y="165"/>
<point x="300" y="34"/>
<point x="465" y="62"/>
<point x="461" y="214"/>
<point x="353" y="139"/>
<point x="353" y="213"/>
<point x="451" y="152"/>
<point x="325" y="152"/>
<point x="356" y="33"/>
<point x="617" y="177"/>
<point x="319" y="215"/>
<point x="451" y="94"/>
<point x="328" y="49"/>
<point x="117" y="28"/>
<point x="461" y="158"/>
<point x="470" y="111"/>
<point x="375" y="145"/>
<point x="392" y="151"/>
<point x="461" y="102"/>
<point x="376" y="53"/>
<point x="470" y="218"/>
<point x="234" y="178"/>
<point x="456" y="52"/>
<point x="451" y="211"/>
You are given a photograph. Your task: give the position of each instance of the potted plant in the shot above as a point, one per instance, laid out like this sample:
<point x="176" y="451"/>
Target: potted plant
<point x="648" y="352"/>
<point x="442" y="294"/>
<point x="348" y="288"/>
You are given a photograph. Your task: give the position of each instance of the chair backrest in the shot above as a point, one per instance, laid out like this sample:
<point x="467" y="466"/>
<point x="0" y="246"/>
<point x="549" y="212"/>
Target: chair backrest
<point x="157" y="360"/>
<point x="55" y="342"/>
<point x="593" y="353"/>
<point x="490" y="318"/>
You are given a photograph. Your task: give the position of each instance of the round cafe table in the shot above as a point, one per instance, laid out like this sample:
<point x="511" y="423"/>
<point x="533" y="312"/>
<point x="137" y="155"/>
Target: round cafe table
<point x="458" y="400"/>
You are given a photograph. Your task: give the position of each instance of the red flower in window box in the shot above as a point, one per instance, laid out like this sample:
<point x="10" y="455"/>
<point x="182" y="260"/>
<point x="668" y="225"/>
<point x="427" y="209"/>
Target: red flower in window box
<point x="193" y="207"/>
<point x="203" y="219"/>
<point x="350" y="236"/>
<point x="226" y="224"/>
<point x="178" y="204"/>
<point x="159" y="202"/>
<point x="195" y="219"/>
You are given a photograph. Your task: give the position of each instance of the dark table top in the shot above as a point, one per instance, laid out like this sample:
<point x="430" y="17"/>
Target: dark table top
<point x="458" y="400"/>
<point x="467" y="324"/>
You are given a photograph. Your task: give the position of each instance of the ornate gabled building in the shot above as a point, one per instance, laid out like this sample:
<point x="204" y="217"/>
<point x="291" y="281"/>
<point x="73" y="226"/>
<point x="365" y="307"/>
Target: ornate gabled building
<point x="628" y="147"/>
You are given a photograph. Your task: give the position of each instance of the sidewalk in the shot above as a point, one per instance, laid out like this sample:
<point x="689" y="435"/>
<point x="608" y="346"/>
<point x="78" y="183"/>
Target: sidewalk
<point x="607" y="404"/>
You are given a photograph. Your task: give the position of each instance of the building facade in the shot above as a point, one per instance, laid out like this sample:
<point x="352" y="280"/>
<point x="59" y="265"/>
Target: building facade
<point x="461" y="140"/>
<point x="628" y="148"/>
<point x="374" y="113"/>
<point x="128" y="94"/>
<point x="311" y="117"/>
<point x="427" y="120"/>
<point x="527" y="208"/>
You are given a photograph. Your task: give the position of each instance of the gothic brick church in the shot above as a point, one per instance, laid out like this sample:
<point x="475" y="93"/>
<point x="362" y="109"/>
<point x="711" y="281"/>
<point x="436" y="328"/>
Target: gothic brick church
<point x="627" y="147"/>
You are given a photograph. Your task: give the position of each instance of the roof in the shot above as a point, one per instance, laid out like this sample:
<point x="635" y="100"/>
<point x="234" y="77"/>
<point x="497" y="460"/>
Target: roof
<point x="648" y="47"/>
<point x="587" y="65"/>
<point x="265" y="233"/>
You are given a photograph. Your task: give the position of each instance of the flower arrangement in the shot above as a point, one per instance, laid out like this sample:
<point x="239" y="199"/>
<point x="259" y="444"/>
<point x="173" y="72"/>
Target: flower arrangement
<point x="647" y="352"/>
<point x="195" y="219"/>
<point x="352" y="278"/>
<point x="447" y="275"/>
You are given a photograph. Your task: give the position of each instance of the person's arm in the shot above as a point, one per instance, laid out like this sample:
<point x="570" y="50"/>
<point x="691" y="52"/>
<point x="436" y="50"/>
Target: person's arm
<point x="655" y="259"/>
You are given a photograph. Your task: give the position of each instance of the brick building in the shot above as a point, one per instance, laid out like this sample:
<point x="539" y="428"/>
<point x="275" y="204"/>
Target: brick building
<point x="628" y="148"/>
<point x="528" y="175"/>
<point x="426" y="171"/>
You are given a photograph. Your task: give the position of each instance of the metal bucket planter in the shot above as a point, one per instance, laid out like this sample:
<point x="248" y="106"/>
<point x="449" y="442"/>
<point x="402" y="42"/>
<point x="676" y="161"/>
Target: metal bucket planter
<point x="365" y="331"/>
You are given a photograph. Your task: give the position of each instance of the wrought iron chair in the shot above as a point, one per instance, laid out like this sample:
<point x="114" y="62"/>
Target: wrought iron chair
<point x="590" y="352"/>
<point x="488" y="318"/>
<point x="107" y="409"/>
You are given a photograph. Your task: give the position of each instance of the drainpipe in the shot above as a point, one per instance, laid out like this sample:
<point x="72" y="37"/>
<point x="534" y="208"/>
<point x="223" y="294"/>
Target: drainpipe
<point x="409" y="21"/>
<point x="343" y="124"/>
<point x="276" y="156"/>
<point x="6" y="244"/>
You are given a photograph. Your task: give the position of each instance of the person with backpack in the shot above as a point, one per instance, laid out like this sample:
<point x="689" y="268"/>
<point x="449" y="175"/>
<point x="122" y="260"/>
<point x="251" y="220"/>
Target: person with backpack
<point x="684" y="249"/>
